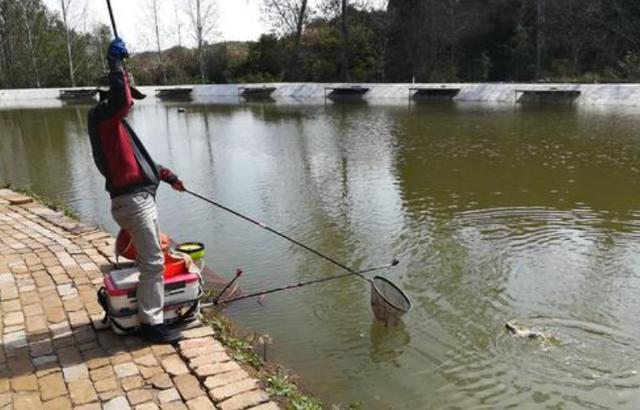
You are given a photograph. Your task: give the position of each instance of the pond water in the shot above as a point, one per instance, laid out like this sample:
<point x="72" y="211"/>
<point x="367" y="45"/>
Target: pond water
<point x="497" y="213"/>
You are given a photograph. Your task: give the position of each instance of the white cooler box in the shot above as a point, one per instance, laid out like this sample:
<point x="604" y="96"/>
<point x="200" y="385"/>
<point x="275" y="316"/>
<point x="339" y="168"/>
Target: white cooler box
<point x="118" y="297"/>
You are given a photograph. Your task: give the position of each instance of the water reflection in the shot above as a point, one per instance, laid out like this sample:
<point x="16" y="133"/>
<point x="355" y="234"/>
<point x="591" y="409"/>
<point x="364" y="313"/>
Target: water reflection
<point x="388" y="343"/>
<point x="495" y="213"/>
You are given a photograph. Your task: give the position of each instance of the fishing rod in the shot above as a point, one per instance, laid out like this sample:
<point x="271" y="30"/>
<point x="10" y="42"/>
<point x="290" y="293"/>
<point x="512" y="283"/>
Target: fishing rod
<point x="217" y="301"/>
<point x="388" y="301"/>
<point x="113" y="20"/>
<point x="134" y="91"/>
<point x="280" y="234"/>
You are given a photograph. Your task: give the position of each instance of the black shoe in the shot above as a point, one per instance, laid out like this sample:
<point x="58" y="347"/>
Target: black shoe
<point x="159" y="334"/>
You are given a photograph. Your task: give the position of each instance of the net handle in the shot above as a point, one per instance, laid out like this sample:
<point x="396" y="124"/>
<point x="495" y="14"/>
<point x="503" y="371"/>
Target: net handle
<point x="218" y="301"/>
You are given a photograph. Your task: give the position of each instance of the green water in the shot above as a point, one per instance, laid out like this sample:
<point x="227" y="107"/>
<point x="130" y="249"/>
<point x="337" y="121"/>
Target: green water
<point x="496" y="213"/>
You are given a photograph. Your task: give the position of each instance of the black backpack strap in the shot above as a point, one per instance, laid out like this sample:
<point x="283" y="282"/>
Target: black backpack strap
<point x="194" y="306"/>
<point x="102" y="300"/>
<point x="122" y="328"/>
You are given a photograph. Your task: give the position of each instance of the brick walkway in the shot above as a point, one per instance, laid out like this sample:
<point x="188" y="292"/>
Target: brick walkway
<point x="54" y="352"/>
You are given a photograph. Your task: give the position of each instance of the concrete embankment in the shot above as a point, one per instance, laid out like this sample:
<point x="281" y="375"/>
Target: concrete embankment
<point x="590" y="94"/>
<point x="55" y="352"/>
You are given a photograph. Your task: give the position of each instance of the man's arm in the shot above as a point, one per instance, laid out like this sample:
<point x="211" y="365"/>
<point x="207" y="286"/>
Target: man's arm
<point x="119" y="101"/>
<point x="170" y="178"/>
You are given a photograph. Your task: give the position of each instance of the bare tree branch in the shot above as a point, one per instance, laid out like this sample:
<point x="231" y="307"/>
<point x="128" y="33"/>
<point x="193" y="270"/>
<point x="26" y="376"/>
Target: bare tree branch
<point x="204" y="19"/>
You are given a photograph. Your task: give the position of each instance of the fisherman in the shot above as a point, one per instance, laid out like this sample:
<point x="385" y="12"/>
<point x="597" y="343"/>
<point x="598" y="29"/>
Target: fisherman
<point x="132" y="179"/>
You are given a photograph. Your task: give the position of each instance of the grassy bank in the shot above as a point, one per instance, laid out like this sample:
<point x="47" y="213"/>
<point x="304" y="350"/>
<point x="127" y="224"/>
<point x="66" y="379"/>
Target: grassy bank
<point x="251" y="350"/>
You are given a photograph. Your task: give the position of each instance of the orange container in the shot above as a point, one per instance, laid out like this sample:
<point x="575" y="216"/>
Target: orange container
<point x="173" y="266"/>
<point x="125" y="248"/>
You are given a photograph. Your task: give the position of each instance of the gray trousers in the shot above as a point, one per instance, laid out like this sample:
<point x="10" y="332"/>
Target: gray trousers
<point x="138" y="214"/>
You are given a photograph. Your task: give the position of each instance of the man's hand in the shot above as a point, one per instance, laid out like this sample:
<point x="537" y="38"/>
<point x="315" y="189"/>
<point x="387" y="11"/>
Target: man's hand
<point x="178" y="186"/>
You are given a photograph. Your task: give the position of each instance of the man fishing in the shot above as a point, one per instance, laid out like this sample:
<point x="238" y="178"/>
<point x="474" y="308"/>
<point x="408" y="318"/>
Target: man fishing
<point x="132" y="179"/>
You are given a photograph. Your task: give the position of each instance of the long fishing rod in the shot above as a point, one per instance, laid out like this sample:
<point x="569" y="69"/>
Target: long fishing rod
<point x="280" y="234"/>
<point x="388" y="301"/>
<point x="113" y="20"/>
<point x="217" y="300"/>
<point x="134" y="91"/>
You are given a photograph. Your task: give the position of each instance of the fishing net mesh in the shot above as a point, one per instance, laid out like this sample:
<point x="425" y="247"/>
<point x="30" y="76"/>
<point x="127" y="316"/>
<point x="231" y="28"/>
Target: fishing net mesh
<point x="388" y="302"/>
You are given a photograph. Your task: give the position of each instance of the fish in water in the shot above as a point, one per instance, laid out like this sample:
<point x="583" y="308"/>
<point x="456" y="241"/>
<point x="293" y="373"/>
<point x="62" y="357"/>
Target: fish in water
<point x="523" y="333"/>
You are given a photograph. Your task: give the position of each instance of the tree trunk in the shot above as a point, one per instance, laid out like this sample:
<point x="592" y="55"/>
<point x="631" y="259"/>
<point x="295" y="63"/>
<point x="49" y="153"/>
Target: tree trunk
<point x="452" y="36"/>
<point x="32" y="51"/>
<point x="3" y="36"/>
<point x="157" y="31"/>
<point x="7" y="45"/>
<point x="199" y="31"/>
<point x="381" y="48"/>
<point x="293" y="71"/>
<point x="178" y="22"/>
<point x="66" y="32"/>
<point x="432" y="18"/>
<point x="178" y="61"/>
<point x="344" y="61"/>
<point x="540" y="38"/>
<point x="202" y="67"/>
<point x="99" y="52"/>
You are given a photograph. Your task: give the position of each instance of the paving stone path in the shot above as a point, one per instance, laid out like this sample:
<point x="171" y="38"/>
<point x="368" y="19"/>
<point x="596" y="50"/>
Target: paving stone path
<point x="54" y="350"/>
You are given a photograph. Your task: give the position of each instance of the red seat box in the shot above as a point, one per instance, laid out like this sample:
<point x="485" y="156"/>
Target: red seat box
<point x="121" y="286"/>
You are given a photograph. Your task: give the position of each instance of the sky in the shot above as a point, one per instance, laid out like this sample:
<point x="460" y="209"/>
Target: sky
<point x="237" y="20"/>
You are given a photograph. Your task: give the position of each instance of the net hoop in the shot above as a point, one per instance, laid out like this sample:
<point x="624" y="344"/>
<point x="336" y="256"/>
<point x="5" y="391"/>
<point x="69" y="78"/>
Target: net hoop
<point x="401" y="310"/>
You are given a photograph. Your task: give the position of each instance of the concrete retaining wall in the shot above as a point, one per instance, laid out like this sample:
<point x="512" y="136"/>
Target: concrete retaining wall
<point x="591" y="94"/>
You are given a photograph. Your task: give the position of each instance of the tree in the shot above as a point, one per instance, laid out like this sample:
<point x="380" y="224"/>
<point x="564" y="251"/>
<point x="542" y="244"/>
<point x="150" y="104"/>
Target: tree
<point x="356" y="41"/>
<point x="264" y="62"/>
<point x="30" y="10"/>
<point x="624" y="16"/>
<point x="153" y="10"/>
<point x="349" y="40"/>
<point x="73" y="11"/>
<point x="378" y="23"/>
<point x="64" y="4"/>
<point x="287" y="19"/>
<point x="338" y="10"/>
<point x="344" y="46"/>
<point x="541" y="27"/>
<point x="179" y="51"/>
<point x="178" y="21"/>
<point x="409" y="40"/>
<point x="369" y="39"/>
<point x="203" y="15"/>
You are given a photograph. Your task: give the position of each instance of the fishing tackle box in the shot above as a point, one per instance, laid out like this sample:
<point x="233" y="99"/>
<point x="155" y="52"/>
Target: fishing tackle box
<point x="118" y="298"/>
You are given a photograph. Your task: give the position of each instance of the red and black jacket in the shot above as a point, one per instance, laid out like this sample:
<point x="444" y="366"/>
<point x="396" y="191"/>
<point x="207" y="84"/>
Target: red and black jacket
<point x="117" y="151"/>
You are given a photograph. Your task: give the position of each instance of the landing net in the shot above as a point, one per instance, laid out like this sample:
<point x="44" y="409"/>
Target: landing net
<point x="388" y="301"/>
